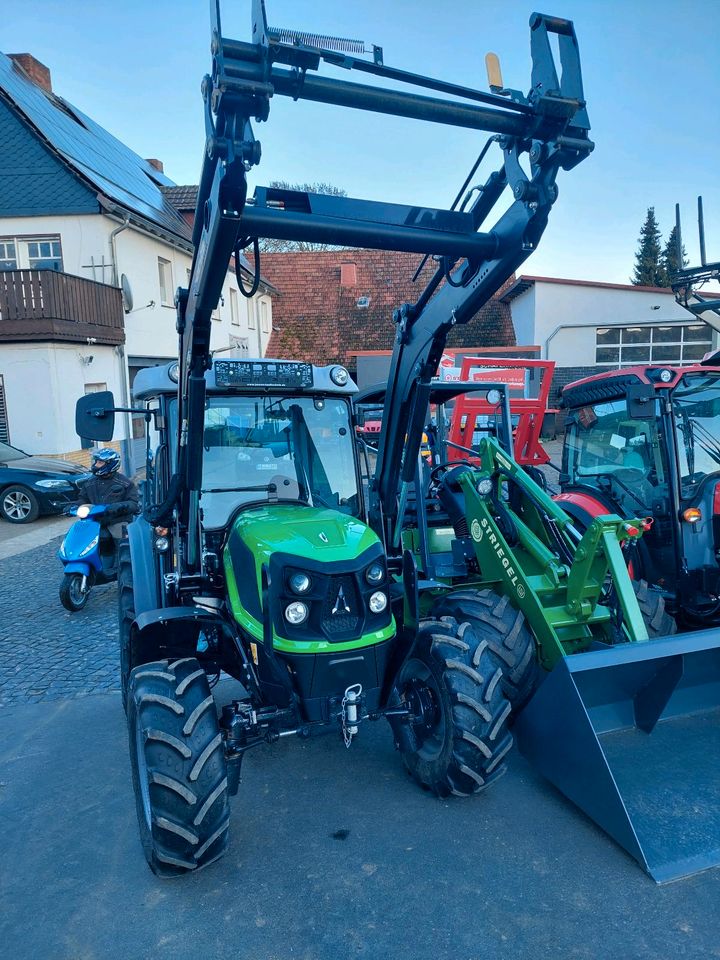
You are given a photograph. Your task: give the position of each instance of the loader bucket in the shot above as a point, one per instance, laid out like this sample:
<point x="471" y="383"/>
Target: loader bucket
<point x="631" y="734"/>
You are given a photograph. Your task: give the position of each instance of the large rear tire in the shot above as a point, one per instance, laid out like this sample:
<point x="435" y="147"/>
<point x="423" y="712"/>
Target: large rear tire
<point x="508" y="636"/>
<point x="126" y="615"/>
<point x="452" y="679"/>
<point x="72" y="595"/>
<point x="178" y="766"/>
<point x="658" y="621"/>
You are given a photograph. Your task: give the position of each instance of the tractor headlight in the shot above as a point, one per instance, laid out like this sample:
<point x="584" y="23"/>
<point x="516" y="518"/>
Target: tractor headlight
<point x="300" y="582"/>
<point x="375" y="573"/>
<point x="339" y="376"/>
<point x="378" y="601"/>
<point x="161" y="544"/>
<point x="484" y="487"/>
<point x="296" y="612"/>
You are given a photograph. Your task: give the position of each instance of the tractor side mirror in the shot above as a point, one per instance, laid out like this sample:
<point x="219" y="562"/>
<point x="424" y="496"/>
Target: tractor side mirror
<point x="95" y="416"/>
<point x="641" y="401"/>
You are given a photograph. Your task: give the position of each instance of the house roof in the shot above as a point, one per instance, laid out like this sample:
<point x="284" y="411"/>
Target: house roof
<point x="122" y="178"/>
<point x="524" y="283"/>
<point x="319" y="319"/>
<point x="183" y="198"/>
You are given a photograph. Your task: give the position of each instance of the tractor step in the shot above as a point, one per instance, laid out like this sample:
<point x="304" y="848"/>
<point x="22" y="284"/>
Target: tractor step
<point x="631" y="734"/>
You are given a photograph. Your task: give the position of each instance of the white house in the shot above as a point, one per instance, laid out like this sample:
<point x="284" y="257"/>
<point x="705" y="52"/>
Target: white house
<point x="94" y="241"/>
<point x="587" y="326"/>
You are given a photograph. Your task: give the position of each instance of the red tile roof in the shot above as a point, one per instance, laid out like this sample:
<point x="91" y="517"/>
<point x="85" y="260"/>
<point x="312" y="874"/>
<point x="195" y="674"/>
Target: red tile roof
<point x="317" y="319"/>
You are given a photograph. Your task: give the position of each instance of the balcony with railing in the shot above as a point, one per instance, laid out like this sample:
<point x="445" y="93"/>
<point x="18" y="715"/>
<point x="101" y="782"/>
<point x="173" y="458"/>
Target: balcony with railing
<point x="47" y="305"/>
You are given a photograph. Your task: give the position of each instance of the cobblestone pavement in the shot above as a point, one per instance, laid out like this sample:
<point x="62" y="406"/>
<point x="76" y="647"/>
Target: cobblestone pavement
<point x="47" y="653"/>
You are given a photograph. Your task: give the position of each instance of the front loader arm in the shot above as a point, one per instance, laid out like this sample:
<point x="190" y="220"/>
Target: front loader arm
<point x="470" y="281"/>
<point x="529" y="549"/>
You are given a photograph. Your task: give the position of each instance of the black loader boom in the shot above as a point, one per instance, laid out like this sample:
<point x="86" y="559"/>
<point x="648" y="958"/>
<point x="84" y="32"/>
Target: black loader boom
<point x="549" y="126"/>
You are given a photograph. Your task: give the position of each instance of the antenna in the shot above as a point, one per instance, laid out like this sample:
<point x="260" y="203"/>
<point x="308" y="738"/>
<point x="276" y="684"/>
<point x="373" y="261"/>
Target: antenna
<point x="701" y="231"/>
<point x="678" y="238"/>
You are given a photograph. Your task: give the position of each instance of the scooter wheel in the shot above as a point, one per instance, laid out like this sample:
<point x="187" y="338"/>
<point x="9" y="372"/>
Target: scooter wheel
<point x="72" y="595"/>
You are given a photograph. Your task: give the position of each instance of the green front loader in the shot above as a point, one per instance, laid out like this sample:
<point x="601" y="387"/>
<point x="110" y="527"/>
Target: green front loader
<point x="618" y="712"/>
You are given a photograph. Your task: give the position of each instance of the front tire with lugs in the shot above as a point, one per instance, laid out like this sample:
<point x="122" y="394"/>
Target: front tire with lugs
<point x="178" y="766"/>
<point x="460" y="748"/>
<point x="510" y="639"/>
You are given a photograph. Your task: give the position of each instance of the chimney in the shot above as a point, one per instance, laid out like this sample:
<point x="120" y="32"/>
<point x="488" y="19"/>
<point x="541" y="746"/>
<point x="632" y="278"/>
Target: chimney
<point x="36" y="71"/>
<point x="348" y="275"/>
<point x="157" y="164"/>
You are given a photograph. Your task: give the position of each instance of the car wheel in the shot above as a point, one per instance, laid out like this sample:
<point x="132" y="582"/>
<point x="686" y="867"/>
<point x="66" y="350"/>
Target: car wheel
<point x="18" y="504"/>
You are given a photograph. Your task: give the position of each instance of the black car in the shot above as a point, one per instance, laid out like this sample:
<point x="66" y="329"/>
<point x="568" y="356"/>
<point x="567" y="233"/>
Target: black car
<point x="30" y="486"/>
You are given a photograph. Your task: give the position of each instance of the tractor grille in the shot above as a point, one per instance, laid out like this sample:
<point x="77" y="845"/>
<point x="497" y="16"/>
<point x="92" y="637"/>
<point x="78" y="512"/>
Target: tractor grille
<point x="342" y="610"/>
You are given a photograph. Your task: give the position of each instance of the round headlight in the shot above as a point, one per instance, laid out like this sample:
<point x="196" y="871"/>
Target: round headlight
<point x="493" y="397"/>
<point x="300" y="583"/>
<point x="83" y="510"/>
<point x="378" y="601"/>
<point x="339" y="376"/>
<point x="484" y="486"/>
<point x="666" y="376"/>
<point x="174" y="371"/>
<point x="375" y="573"/>
<point x="161" y="544"/>
<point x="296" y="612"/>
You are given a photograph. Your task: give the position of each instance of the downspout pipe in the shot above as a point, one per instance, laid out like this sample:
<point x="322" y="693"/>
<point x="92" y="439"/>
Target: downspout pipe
<point x="125" y="444"/>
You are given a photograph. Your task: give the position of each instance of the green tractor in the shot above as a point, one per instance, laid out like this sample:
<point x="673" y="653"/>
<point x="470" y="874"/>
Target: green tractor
<point x="255" y="555"/>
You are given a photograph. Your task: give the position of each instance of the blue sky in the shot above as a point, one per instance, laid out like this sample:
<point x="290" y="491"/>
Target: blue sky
<point x="652" y="83"/>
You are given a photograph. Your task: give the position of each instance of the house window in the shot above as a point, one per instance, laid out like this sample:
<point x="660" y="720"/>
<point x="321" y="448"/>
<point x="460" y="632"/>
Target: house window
<point x="234" y="308"/>
<point x="675" y="344"/>
<point x="166" y="282"/>
<point x="252" y="323"/>
<point x="31" y="253"/>
<point x="8" y="255"/>
<point x="264" y="320"/>
<point x="4" y="425"/>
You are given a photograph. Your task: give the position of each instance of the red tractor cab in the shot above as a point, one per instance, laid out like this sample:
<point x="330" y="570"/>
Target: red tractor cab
<point x="645" y="441"/>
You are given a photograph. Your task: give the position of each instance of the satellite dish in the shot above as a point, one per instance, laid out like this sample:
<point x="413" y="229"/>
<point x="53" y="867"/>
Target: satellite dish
<point x="126" y="290"/>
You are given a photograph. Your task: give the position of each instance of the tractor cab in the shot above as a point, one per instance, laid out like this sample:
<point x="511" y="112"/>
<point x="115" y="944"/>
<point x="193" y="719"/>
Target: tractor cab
<point x="646" y="441"/>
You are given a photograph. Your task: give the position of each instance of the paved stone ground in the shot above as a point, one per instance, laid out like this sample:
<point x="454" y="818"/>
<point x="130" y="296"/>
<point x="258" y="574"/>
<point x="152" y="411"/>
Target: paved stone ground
<point x="46" y="652"/>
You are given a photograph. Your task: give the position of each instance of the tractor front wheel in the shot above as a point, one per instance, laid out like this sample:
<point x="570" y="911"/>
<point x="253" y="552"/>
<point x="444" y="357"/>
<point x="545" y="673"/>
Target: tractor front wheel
<point x="457" y="741"/>
<point x="508" y="636"/>
<point x="178" y="766"/>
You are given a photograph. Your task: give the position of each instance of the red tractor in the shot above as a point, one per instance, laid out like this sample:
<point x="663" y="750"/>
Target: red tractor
<point x="645" y="441"/>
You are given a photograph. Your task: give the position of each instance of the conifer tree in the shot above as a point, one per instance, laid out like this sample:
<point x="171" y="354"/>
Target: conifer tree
<point x="648" y="268"/>
<point x="669" y="257"/>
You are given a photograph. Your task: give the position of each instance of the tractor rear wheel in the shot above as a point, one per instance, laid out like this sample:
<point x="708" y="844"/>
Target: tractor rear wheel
<point x="178" y="766"/>
<point x="507" y="634"/>
<point x="658" y="621"/>
<point x="126" y="615"/>
<point x="452" y="684"/>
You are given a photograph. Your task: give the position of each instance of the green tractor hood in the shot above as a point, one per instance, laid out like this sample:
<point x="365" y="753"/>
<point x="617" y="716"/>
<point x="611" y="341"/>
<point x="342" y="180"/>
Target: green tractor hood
<point x="333" y="548"/>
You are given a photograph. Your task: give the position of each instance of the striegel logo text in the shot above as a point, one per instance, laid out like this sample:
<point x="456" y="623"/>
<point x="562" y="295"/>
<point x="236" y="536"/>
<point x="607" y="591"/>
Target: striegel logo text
<point x="478" y="529"/>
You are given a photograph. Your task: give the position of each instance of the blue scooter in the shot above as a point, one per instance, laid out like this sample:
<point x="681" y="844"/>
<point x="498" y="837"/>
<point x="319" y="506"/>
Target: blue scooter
<point x="89" y="555"/>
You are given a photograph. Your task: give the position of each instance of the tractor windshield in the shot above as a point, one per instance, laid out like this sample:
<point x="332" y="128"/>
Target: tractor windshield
<point x="269" y="449"/>
<point x="617" y="454"/>
<point x="696" y="409"/>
